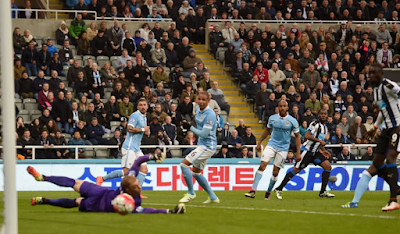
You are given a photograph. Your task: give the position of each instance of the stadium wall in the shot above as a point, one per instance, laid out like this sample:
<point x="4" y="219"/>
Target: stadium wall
<point x="226" y="174"/>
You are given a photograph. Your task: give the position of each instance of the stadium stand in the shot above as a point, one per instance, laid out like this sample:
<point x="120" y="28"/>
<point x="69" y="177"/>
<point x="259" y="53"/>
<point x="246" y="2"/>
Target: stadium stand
<point x="315" y="56"/>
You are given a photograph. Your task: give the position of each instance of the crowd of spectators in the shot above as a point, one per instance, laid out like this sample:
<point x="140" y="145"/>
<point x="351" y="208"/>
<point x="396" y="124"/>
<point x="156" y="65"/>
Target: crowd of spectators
<point x="320" y="70"/>
<point x="310" y="69"/>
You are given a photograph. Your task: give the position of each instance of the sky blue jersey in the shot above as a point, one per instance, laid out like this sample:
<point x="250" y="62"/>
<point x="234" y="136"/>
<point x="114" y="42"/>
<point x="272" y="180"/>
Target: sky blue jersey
<point x="207" y="119"/>
<point x="282" y="127"/>
<point x="134" y="140"/>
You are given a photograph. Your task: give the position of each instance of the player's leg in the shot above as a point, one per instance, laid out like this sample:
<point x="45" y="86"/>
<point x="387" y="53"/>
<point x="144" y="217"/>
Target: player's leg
<point x="58" y="180"/>
<point x="266" y="157"/>
<point x="61" y="202"/>
<point x="272" y="181"/>
<point x="279" y="162"/>
<point x="391" y="176"/>
<point x="306" y="158"/>
<point x="325" y="176"/>
<point x="141" y="176"/>
<point x="187" y="173"/>
<point x="198" y="166"/>
<point x="205" y="185"/>
<point x="117" y="173"/>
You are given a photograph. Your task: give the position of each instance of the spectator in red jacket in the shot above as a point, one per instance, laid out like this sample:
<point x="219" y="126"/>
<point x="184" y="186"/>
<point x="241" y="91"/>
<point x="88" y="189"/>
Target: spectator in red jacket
<point x="262" y="73"/>
<point x="42" y="96"/>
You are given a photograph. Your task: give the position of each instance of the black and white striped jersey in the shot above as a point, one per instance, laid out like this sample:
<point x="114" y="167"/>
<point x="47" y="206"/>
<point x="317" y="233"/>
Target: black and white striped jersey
<point x="318" y="130"/>
<point x="386" y="96"/>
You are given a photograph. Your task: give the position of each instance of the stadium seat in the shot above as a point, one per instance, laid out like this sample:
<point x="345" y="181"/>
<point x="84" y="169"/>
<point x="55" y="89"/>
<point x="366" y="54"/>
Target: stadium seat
<point x="107" y="95"/>
<point x="19" y="105"/>
<point x="47" y="77"/>
<point x="89" y="100"/>
<point x="29" y="100"/>
<point x="102" y="58"/>
<point x="89" y="153"/>
<point x="26" y="117"/>
<point x="102" y="153"/>
<point x="114" y="124"/>
<point x="85" y="57"/>
<point x="59" y="47"/>
<point x="113" y="58"/>
<point x="31" y="106"/>
<point x="104" y="100"/>
<point x="176" y="153"/>
<point x="35" y="116"/>
<point x="108" y="89"/>
<point x="108" y="135"/>
<point x="101" y="63"/>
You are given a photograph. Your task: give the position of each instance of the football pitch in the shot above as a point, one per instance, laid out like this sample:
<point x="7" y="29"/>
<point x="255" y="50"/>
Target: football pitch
<point x="298" y="212"/>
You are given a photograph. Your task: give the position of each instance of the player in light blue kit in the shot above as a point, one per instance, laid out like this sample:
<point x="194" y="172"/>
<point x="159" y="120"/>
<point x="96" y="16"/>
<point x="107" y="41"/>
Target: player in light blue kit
<point x="130" y="150"/>
<point x="281" y="125"/>
<point x="206" y="147"/>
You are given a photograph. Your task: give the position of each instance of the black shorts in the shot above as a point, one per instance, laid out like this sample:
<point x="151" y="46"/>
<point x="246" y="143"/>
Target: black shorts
<point x="388" y="139"/>
<point x="308" y="157"/>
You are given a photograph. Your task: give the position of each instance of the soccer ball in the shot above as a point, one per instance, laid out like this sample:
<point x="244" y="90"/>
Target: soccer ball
<point x="123" y="204"/>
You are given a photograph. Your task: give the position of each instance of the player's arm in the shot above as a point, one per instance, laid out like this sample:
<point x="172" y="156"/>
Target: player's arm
<point x="298" y="145"/>
<point x="201" y="133"/>
<point x="132" y="129"/>
<point x="264" y="135"/>
<point x="310" y="137"/>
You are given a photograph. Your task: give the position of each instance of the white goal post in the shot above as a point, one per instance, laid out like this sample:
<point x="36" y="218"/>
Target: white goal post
<point x="10" y="225"/>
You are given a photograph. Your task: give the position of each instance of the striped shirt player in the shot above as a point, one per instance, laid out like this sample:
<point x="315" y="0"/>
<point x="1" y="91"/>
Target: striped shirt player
<point x="313" y="151"/>
<point x="386" y="96"/>
<point x="206" y="129"/>
<point x="282" y="126"/>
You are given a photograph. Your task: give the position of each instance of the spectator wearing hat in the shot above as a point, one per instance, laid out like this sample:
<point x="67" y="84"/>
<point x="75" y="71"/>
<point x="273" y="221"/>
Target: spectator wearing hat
<point x="299" y="15"/>
<point x="223" y="153"/>
<point x="308" y="116"/>
<point x="155" y="126"/>
<point x="298" y="103"/>
<point x="216" y="40"/>
<point x="344" y="34"/>
<point x="104" y="121"/>
<point x="100" y="44"/>
<point x="125" y="107"/>
<point x="190" y="62"/>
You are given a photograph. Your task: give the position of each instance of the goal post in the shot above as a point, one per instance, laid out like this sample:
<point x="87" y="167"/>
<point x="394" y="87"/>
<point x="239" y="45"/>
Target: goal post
<point x="10" y="225"/>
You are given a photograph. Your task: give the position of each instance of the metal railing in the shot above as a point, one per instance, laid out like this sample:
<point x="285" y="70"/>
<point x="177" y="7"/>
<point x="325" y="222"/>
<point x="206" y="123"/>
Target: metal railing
<point x="163" y="147"/>
<point x="77" y="147"/>
<point x="135" y="19"/>
<point x="298" y="21"/>
<point x="53" y="11"/>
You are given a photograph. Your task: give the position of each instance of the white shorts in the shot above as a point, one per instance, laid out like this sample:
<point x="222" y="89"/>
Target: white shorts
<point x="129" y="157"/>
<point x="199" y="157"/>
<point x="279" y="156"/>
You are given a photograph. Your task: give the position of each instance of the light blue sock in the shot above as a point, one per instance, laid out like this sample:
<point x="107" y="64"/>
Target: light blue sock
<point x="187" y="175"/>
<point x="257" y="178"/>
<point x="362" y="186"/>
<point x="272" y="182"/>
<point x="113" y="175"/>
<point x="141" y="176"/>
<point x="204" y="184"/>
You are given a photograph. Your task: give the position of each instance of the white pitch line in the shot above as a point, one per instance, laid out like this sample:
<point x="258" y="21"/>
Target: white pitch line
<point x="283" y="210"/>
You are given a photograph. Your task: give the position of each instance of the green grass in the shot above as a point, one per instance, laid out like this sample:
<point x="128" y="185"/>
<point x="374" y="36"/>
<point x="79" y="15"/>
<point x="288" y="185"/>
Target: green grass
<point x="235" y="214"/>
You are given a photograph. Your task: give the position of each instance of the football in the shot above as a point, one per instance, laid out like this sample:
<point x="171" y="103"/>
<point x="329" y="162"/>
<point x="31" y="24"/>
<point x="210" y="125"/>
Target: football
<point x="123" y="204"/>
